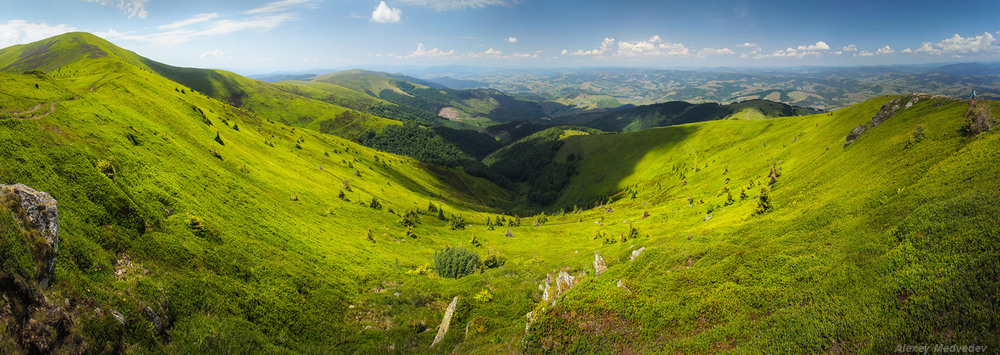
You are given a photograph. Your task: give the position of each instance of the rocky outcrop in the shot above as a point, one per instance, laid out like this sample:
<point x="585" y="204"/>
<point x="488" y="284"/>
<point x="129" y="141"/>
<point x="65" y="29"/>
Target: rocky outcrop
<point x="445" y="322"/>
<point x="978" y="119"/>
<point x="635" y="253"/>
<point x="34" y="324"/>
<point x="563" y="283"/>
<point x="38" y="213"/>
<point x="154" y="318"/>
<point x="599" y="266"/>
<point x="886" y="112"/>
<point x="27" y="317"/>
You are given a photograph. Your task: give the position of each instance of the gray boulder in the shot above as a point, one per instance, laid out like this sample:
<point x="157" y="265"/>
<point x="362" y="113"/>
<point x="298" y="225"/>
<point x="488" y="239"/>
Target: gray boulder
<point x="42" y="214"/>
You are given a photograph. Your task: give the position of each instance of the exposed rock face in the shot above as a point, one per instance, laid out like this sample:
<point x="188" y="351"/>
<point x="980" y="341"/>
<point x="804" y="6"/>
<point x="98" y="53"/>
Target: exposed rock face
<point x="446" y="321"/>
<point x="27" y="317"/>
<point x="42" y="214"/>
<point x="599" y="266"/>
<point x="635" y="253"/>
<point x="978" y="119"/>
<point x="36" y="325"/>
<point x="888" y="110"/>
<point x="564" y="282"/>
<point x="154" y="318"/>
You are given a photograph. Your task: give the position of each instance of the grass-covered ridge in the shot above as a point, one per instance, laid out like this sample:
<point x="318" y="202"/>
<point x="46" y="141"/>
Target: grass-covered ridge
<point x="250" y="235"/>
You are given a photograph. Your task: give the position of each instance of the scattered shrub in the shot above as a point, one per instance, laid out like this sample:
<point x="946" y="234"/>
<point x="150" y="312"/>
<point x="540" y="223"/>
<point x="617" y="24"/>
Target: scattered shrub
<point x="763" y="201"/>
<point x="410" y="233"/>
<point x="918" y="135"/>
<point x="375" y="203"/>
<point x="424" y="269"/>
<point x="409" y="218"/>
<point x="475" y="242"/>
<point x="541" y="219"/>
<point x="483" y="296"/>
<point x="455" y="262"/>
<point x="218" y="139"/>
<point x="494" y="260"/>
<point x="370" y="236"/>
<point x="107" y="169"/>
<point x="457" y="222"/>
<point x="342" y="196"/>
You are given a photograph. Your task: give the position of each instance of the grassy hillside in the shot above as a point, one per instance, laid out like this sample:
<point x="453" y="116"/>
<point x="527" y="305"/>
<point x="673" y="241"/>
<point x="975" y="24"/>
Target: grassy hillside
<point x="477" y="107"/>
<point x="60" y="55"/>
<point x="884" y="242"/>
<point x="241" y="241"/>
<point x="249" y="240"/>
<point x="637" y="118"/>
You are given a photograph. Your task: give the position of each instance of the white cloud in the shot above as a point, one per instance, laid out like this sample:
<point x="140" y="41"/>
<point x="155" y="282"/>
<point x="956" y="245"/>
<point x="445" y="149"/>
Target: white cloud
<point x="838" y="52"/>
<point x="864" y="54"/>
<point x="385" y="14"/>
<point x="434" y="52"/>
<point x="885" y="50"/>
<point x="819" y="46"/>
<point x="511" y="39"/>
<point x="261" y="19"/>
<point x="711" y="51"/>
<point x="564" y="52"/>
<point x="132" y="8"/>
<point x="789" y="53"/>
<point x="489" y="53"/>
<point x="216" y="54"/>
<point x="907" y="50"/>
<point x="849" y="48"/>
<point x="449" y="5"/>
<point x="605" y="46"/>
<point x="653" y="46"/>
<point x="221" y="27"/>
<point x="20" y="32"/>
<point x="199" y="18"/>
<point x="277" y="6"/>
<point x="524" y="55"/>
<point x="958" y="44"/>
<point x="747" y="45"/>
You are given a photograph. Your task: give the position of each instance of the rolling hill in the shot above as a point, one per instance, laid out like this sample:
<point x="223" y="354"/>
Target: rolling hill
<point x="190" y="225"/>
<point x="59" y="54"/>
<point x="628" y="119"/>
<point x="477" y="107"/>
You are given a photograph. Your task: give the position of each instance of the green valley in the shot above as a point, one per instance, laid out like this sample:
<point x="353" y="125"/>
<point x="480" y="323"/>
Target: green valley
<point x="200" y="211"/>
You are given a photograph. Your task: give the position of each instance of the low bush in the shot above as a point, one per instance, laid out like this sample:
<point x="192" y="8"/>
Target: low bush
<point x="455" y="262"/>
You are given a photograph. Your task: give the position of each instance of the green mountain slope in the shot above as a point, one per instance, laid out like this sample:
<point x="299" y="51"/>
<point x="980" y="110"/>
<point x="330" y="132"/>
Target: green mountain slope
<point x="679" y="112"/>
<point x="228" y="225"/>
<point x="77" y="53"/>
<point x="747" y="235"/>
<point x="884" y="242"/>
<point x="477" y="107"/>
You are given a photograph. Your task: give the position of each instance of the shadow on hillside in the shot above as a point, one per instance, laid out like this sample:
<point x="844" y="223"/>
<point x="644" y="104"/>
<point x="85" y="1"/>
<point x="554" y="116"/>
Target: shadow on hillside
<point x="607" y="161"/>
<point x="202" y="80"/>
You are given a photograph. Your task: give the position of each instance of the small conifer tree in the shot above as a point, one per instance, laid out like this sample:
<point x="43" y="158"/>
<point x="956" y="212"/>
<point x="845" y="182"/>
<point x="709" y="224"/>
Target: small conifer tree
<point x="763" y="201"/>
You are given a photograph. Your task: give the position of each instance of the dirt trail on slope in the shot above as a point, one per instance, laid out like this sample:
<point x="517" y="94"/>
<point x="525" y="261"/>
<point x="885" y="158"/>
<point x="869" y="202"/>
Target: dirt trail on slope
<point x="51" y="105"/>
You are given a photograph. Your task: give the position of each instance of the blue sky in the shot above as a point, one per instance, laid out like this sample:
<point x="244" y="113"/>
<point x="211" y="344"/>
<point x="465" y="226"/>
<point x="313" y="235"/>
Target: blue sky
<point x="256" y="36"/>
